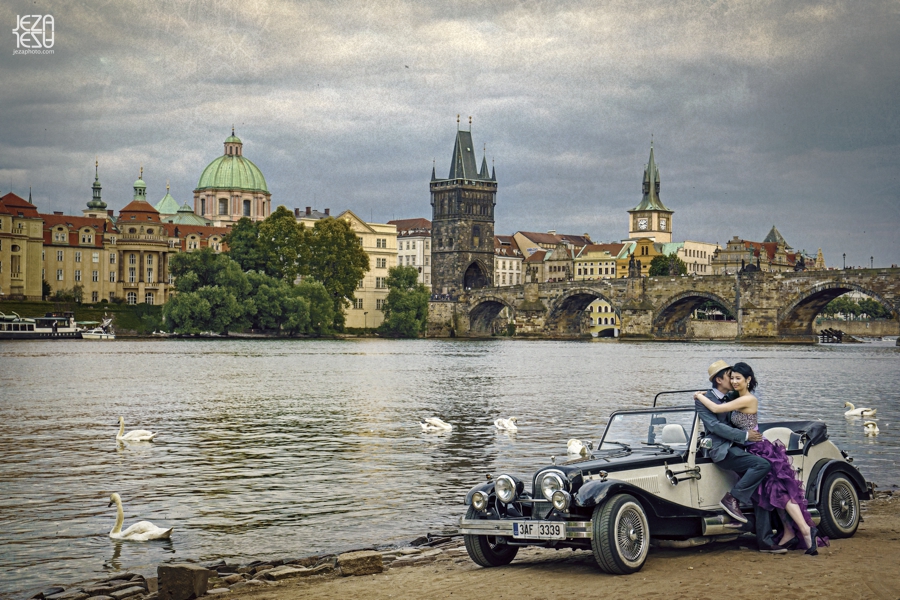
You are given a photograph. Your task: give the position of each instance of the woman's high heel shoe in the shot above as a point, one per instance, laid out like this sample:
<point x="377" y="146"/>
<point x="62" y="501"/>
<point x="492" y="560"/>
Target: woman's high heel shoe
<point x="813" y="545"/>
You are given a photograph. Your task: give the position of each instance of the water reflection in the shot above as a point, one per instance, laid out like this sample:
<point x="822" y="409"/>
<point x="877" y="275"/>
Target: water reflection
<point x="291" y="448"/>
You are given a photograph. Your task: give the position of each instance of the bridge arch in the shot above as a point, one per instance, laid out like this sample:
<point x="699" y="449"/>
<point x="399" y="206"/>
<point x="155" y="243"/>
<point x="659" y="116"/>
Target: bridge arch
<point x="485" y="311"/>
<point x="565" y="314"/>
<point x="798" y="316"/>
<point x="674" y="313"/>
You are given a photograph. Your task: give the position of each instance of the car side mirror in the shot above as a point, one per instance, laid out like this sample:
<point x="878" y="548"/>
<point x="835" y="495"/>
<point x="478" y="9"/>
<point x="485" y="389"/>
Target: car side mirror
<point x="705" y="443"/>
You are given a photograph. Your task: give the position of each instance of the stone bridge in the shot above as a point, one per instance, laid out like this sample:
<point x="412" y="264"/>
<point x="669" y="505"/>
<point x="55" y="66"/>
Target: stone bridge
<point x="768" y="306"/>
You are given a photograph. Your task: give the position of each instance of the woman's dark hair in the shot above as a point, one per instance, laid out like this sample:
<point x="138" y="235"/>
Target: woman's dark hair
<point x="745" y="370"/>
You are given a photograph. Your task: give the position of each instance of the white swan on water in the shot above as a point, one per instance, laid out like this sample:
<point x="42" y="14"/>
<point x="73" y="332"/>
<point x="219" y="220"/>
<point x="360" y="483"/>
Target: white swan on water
<point x="138" y="435"/>
<point x="435" y="424"/>
<point x="859" y="412"/>
<point x="507" y="424"/>
<point x="576" y="447"/>
<point x="141" y="531"/>
<point x="870" y="428"/>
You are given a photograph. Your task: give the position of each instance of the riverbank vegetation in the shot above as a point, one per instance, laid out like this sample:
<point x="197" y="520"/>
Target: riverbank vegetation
<point x="406" y="306"/>
<point x="849" y="308"/>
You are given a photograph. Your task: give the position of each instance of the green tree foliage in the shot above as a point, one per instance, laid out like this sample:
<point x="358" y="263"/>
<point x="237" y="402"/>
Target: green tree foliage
<point x="283" y="244"/>
<point x="406" y="307"/>
<point x="663" y="265"/>
<point x="337" y="260"/>
<point x="46" y="290"/>
<point x="243" y="246"/>
<point x="321" y="307"/>
<point x="866" y="308"/>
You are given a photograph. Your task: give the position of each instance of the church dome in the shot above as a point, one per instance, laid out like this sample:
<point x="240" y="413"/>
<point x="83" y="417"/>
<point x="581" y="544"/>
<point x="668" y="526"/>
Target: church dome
<point x="232" y="171"/>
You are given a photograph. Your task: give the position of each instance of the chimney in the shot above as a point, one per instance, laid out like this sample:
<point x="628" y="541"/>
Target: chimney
<point x="552" y="232"/>
<point x="109" y="212"/>
<point x="308" y="210"/>
<point x="296" y="212"/>
<point x="327" y="212"/>
<point x="57" y="212"/>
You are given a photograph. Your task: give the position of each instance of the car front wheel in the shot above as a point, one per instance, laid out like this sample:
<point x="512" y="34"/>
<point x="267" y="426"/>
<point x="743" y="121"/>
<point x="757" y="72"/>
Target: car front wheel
<point x="621" y="536"/>
<point x="838" y="507"/>
<point x="487" y="550"/>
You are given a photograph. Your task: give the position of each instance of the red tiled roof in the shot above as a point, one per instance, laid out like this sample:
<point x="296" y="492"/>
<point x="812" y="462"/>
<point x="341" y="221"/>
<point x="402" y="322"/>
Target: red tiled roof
<point x="770" y="249"/>
<point x="16" y="205"/>
<point x="613" y="249"/>
<point x="555" y="238"/>
<point x="141" y="211"/>
<point x="536" y="257"/>
<point x="505" y="245"/>
<point x="73" y="226"/>
<point x="411" y="224"/>
<point x="200" y="230"/>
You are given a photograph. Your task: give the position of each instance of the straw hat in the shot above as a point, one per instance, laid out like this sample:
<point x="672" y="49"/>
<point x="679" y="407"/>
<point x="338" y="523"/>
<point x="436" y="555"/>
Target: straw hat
<point x="716" y="367"/>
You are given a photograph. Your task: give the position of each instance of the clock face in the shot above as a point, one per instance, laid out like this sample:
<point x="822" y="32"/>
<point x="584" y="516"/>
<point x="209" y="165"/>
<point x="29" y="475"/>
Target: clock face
<point x="642" y="224"/>
<point x="662" y="224"/>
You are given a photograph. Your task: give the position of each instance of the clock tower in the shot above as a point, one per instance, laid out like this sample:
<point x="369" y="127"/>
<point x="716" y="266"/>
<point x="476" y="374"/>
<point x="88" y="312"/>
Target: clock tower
<point x="650" y="218"/>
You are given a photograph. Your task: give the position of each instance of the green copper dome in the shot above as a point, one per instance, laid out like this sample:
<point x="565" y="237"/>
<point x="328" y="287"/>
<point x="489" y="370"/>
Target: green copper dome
<point x="232" y="171"/>
<point x="233" y="139"/>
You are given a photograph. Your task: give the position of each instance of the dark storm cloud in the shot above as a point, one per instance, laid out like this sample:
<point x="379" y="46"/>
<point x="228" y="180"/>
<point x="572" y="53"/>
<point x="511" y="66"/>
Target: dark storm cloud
<point x="762" y="112"/>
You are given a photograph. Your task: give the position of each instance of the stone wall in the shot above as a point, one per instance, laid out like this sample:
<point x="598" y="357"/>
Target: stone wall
<point x="877" y="328"/>
<point x="713" y="330"/>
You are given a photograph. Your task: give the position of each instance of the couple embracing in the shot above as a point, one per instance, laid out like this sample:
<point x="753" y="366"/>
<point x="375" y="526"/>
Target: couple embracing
<point x="767" y="481"/>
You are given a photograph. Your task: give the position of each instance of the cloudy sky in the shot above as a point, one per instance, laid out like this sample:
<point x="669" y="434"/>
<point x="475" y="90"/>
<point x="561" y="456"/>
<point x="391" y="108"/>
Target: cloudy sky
<point x="761" y="113"/>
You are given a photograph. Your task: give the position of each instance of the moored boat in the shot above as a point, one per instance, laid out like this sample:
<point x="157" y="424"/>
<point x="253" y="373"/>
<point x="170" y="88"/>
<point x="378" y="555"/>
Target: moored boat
<point x="52" y="326"/>
<point x="103" y="332"/>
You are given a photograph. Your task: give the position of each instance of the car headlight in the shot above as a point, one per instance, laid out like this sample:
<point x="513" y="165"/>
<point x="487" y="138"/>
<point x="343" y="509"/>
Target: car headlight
<point x="479" y="500"/>
<point x="561" y="500"/>
<point x="551" y="482"/>
<point x="505" y="488"/>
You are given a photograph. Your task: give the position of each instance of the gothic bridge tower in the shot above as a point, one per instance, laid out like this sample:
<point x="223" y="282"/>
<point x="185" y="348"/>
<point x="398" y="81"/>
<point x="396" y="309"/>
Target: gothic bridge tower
<point x="462" y="223"/>
<point x="650" y="218"/>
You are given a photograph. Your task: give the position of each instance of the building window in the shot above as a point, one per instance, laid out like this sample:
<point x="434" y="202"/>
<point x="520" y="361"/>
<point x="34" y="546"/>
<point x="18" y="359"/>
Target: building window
<point x="426" y="244"/>
<point x="95" y="296"/>
<point x="95" y="257"/>
<point x="60" y="235"/>
<point x="95" y="276"/>
<point x="414" y="244"/>
<point x="131" y="297"/>
<point x="246" y="208"/>
<point x="361" y="241"/>
<point x="78" y="257"/>
<point x="358" y="303"/>
<point x="223" y="206"/>
<point x="150" y="275"/>
<point x="132" y="259"/>
<point x="379" y="304"/>
<point x="413" y="261"/>
<point x="87" y="238"/>
<point x="202" y="206"/>
<point x="380" y="263"/>
<point x="427" y="261"/>
<point x="131" y="275"/>
<point x="148" y="297"/>
<point x="59" y="275"/>
<point x="112" y="258"/>
<point x="112" y="276"/>
<point x="59" y="255"/>
<point x="149" y="260"/>
<point x="380" y="283"/>
<point x="427" y="279"/>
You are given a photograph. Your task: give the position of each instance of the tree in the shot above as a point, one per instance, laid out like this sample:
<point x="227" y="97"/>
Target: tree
<point x="46" y="290"/>
<point x="320" y="306"/>
<point x="244" y="247"/>
<point x="337" y="260"/>
<point x="406" y="307"/>
<point x="670" y="265"/>
<point x="282" y="245"/>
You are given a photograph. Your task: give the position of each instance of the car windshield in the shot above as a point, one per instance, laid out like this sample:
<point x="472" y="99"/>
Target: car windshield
<point x="669" y="429"/>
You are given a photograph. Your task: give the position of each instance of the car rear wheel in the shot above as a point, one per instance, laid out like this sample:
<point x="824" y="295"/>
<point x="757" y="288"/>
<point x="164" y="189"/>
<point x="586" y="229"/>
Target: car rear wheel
<point x="487" y="550"/>
<point x="838" y="507"/>
<point x="621" y="535"/>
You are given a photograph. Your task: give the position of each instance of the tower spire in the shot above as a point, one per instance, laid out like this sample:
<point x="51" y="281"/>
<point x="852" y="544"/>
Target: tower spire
<point x="96" y="203"/>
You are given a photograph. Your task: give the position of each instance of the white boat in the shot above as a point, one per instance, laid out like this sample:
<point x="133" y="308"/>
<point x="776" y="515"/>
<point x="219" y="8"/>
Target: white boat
<point x="103" y="332"/>
<point x="52" y="326"/>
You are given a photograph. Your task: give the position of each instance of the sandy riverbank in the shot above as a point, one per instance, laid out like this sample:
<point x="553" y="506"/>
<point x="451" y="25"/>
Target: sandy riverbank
<point x="864" y="566"/>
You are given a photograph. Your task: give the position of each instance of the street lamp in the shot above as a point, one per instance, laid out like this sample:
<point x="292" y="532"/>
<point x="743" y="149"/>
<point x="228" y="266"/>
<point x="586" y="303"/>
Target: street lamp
<point x="365" y="320"/>
<point x="845" y="260"/>
<point x="871" y="262"/>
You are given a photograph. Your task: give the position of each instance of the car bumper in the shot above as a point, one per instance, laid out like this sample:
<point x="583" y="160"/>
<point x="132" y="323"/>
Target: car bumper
<point x="504" y="528"/>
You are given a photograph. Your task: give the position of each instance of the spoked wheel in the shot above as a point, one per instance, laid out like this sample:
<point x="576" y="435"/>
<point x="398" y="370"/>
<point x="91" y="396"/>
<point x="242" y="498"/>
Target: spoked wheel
<point x="621" y="536"/>
<point x="487" y="550"/>
<point x="838" y="506"/>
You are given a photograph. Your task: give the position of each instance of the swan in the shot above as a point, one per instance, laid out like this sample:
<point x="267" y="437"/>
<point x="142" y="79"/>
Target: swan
<point x="859" y="412"/>
<point x="576" y="447"/>
<point x="140" y="531"/>
<point x="506" y="424"/>
<point x="138" y="435"/>
<point x="435" y="424"/>
<point x="870" y="428"/>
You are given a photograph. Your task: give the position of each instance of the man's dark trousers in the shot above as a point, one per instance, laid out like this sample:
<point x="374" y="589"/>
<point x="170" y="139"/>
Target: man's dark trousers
<point x="753" y="469"/>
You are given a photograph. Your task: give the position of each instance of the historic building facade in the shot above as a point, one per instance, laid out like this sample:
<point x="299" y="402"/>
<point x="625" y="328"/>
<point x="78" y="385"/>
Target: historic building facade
<point x="232" y="187"/>
<point x="507" y="261"/>
<point x="462" y="251"/>
<point x="414" y="246"/>
<point x="21" y="245"/>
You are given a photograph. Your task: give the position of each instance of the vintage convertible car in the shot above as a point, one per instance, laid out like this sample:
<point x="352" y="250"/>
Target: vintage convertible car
<point x="648" y="482"/>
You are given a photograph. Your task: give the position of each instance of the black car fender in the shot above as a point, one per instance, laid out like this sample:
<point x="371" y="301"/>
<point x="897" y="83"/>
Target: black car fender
<point x="487" y="486"/>
<point x="825" y="467"/>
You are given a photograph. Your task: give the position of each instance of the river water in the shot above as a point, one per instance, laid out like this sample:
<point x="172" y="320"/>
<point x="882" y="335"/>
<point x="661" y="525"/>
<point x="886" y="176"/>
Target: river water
<point x="289" y="448"/>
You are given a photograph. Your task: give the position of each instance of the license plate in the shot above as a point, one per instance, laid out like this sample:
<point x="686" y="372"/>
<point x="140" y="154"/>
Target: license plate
<point x="539" y="530"/>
